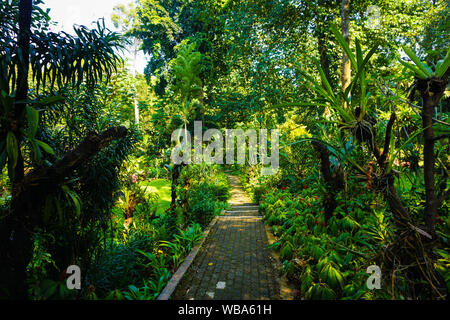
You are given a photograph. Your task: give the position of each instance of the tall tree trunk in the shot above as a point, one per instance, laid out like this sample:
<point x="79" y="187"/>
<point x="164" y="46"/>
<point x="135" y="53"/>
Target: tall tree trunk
<point x="334" y="183"/>
<point x="431" y="91"/>
<point x="23" y="61"/>
<point x="345" y="26"/>
<point x="322" y="48"/>
<point x="428" y="164"/>
<point x="136" y="107"/>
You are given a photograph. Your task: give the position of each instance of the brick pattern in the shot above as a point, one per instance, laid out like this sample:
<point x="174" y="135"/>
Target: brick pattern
<point x="234" y="262"/>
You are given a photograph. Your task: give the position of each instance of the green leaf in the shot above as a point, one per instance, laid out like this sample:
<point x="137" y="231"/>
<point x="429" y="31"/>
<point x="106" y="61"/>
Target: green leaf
<point x="33" y="120"/>
<point x="344" y="45"/>
<point x="75" y="199"/>
<point x="49" y="101"/>
<point x="348" y="117"/>
<point x="45" y="146"/>
<point x="391" y="161"/>
<point x="444" y="65"/>
<point x="359" y="56"/>
<point x="323" y="78"/>
<point x="419" y="74"/>
<point x="360" y="69"/>
<point x="362" y="81"/>
<point x="37" y="154"/>
<point x="316" y="87"/>
<point x="12" y="149"/>
<point x="417" y="62"/>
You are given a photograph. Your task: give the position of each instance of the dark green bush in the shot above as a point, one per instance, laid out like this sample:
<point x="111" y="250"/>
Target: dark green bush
<point x="221" y="191"/>
<point x="119" y="266"/>
<point x="201" y="199"/>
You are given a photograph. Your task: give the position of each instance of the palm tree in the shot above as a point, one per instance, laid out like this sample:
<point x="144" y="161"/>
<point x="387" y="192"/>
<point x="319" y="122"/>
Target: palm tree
<point x="188" y="85"/>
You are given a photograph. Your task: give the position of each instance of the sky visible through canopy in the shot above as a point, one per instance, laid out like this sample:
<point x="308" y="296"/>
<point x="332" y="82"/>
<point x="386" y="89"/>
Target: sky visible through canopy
<point x="66" y="13"/>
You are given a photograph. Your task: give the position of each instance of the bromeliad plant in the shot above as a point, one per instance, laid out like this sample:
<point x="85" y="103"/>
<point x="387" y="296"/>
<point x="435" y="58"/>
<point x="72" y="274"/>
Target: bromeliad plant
<point x="421" y="70"/>
<point x="351" y="114"/>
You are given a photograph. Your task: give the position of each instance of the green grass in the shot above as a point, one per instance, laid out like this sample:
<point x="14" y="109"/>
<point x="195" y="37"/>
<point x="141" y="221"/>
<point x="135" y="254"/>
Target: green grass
<point x="162" y="188"/>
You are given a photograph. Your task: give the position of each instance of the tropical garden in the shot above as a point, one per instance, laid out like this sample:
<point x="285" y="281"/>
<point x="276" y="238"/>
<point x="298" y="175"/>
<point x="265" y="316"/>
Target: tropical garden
<point x="357" y="89"/>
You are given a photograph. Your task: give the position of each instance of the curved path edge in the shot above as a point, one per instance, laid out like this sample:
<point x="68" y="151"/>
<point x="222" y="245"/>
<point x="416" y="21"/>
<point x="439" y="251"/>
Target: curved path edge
<point x="178" y="275"/>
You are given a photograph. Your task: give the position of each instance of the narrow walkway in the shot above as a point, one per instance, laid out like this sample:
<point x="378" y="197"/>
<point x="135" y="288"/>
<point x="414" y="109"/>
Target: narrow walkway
<point x="233" y="262"/>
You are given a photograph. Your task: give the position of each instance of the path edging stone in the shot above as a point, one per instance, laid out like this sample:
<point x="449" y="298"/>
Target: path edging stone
<point x="178" y="275"/>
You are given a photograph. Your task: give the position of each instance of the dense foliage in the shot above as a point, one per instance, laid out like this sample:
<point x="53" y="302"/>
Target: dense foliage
<point x="361" y="102"/>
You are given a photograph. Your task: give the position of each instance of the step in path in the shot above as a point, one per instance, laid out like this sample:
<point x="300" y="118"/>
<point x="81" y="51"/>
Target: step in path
<point x="234" y="261"/>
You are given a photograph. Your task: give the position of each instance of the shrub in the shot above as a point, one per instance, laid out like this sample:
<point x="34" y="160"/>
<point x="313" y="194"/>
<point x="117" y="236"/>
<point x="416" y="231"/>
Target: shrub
<point x="201" y="199"/>
<point x="221" y="190"/>
<point x="258" y="192"/>
<point x="119" y="265"/>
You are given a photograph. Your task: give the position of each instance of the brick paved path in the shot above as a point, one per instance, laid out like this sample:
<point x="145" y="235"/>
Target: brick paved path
<point x="233" y="262"/>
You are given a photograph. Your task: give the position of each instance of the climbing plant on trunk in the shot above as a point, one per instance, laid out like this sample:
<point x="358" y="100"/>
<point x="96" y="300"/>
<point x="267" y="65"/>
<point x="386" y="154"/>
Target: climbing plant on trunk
<point x="56" y="59"/>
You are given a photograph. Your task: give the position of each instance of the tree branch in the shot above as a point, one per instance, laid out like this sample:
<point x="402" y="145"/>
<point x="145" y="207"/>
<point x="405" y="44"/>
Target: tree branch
<point x="47" y="178"/>
<point x="325" y="165"/>
<point x="334" y="182"/>
<point x="439" y="137"/>
<point x="387" y="140"/>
